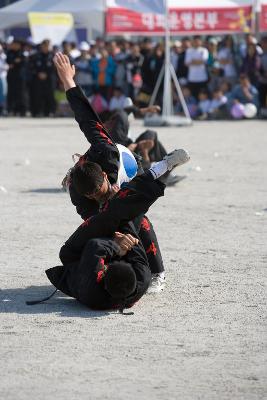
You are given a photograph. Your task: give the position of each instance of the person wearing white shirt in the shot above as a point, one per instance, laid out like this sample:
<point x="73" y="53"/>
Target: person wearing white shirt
<point x="196" y="58"/>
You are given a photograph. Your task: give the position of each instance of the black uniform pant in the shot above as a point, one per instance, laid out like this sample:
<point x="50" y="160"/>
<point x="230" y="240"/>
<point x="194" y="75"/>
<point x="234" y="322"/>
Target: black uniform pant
<point x="16" y="102"/>
<point x="43" y="100"/>
<point x="196" y="87"/>
<point x="150" y="242"/>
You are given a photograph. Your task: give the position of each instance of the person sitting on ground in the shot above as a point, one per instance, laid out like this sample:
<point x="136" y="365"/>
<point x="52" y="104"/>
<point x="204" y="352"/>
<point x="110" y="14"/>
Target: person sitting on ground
<point x="203" y="104"/>
<point x="190" y="102"/>
<point x="218" y="105"/>
<point x="98" y="102"/>
<point x="245" y="92"/>
<point x="117" y="100"/>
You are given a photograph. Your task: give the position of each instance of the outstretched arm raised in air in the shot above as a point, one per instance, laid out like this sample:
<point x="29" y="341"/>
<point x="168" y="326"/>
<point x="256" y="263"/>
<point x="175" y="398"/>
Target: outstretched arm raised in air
<point x="88" y="120"/>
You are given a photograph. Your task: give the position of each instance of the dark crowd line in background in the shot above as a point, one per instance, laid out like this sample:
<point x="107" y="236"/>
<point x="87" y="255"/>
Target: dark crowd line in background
<point x="220" y="77"/>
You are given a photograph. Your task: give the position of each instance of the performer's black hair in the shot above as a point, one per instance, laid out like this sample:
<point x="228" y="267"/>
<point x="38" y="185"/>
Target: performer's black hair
<point x="86" y="177"/>
<point x="120" y="280"/>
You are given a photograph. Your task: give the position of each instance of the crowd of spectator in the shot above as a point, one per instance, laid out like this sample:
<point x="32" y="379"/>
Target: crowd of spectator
<point x="219" y="77"/>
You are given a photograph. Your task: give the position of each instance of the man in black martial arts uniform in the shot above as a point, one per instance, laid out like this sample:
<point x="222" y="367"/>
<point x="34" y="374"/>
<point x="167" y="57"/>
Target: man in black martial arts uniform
<point x="104" y="152"/>
<point x="97" y="270"/>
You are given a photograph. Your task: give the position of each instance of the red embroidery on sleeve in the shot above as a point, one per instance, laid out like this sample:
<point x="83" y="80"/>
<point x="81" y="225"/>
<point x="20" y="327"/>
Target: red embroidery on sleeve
<point x="102" y="133"/>
<point x="145" y="224"/>
<point x="102" y="270"/>
<point x="123" y="193"/>
<point x="152" y="249"/>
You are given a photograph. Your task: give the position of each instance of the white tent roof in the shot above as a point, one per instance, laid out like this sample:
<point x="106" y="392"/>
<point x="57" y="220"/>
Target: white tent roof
<point x="86" y="13"/>
<point x="90" y="13"/>
<point x="208" y="3"/>
<point x="198" y="3"/>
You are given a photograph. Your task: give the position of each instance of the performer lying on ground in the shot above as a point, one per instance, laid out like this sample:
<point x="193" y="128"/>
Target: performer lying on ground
<point x="104" y="262"/>
<point x="104" y="153"/>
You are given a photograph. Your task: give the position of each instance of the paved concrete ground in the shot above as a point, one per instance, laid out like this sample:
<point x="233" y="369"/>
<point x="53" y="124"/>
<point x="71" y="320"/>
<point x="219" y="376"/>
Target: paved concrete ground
<point x="203" y="338"/>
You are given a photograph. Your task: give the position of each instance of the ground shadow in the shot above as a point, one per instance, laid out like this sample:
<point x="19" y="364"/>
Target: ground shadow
<point x="44" y="190"/>
<point x="14" y="301"/>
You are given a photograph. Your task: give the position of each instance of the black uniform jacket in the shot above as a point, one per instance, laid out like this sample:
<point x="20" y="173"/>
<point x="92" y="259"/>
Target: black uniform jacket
<point x="103" y="150"/>
<point x="83" y="279"/>
<point x="92" y="240"/>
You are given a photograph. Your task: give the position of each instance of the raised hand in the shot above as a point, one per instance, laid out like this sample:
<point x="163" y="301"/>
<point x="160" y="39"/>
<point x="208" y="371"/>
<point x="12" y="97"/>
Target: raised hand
<point x="65" y="70"/>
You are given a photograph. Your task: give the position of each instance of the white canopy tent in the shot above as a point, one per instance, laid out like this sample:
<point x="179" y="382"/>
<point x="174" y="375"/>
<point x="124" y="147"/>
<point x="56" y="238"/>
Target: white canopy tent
<point x="208" y="3"/>
<point x="86" y="14"/>
<point x="90" y="14"/>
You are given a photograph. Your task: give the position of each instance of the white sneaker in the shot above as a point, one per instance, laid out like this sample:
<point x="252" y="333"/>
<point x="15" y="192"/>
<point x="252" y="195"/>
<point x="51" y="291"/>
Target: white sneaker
<point x="176" y="158"/>
<point x="157" y="284"/>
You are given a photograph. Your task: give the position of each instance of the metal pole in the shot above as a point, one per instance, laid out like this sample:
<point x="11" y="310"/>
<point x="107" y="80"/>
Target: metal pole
<point x="255" y="22"/>
<point x="180" y="93"/>
<point x="167" y="90"/>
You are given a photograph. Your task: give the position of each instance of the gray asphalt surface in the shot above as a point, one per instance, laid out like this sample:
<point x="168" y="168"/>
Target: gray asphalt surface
<point x="204" y="337"/>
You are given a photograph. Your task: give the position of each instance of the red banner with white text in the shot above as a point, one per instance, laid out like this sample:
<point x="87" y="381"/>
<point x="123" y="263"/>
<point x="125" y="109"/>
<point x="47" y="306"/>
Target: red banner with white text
<point x="263" y="18"/>
<point x="181" y="21"/>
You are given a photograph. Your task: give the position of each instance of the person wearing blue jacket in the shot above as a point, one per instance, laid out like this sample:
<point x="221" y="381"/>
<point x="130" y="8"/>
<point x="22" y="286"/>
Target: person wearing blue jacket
<point x="103" y="70"/>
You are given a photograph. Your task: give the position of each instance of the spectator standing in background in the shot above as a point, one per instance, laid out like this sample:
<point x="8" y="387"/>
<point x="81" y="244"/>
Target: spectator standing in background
<point x="175" y="52"/>
<point x="42" y="81"/>
<point x="94" y="53"/>
<point x="212" y="48"/>
<point x="181" y="67"/>
<point x="83" y="76"/>
<point x="120" y="72"/>
<point x="67" y="50"/>
<point x="196" y="59"/>
<point x="146" y="51"/>
<point x="134" y="64"/>
<point x="249" y="39"/>
<point x="75" y="52"/>
<point x="103" y="70"/>
<point x="155" y="64"/>
<point x="215" y="73"/>
<point x="227" y="59"/>
<point x="16" y="103"/>
<point x="263" y="75"/>
<point x="251" y="64"/>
